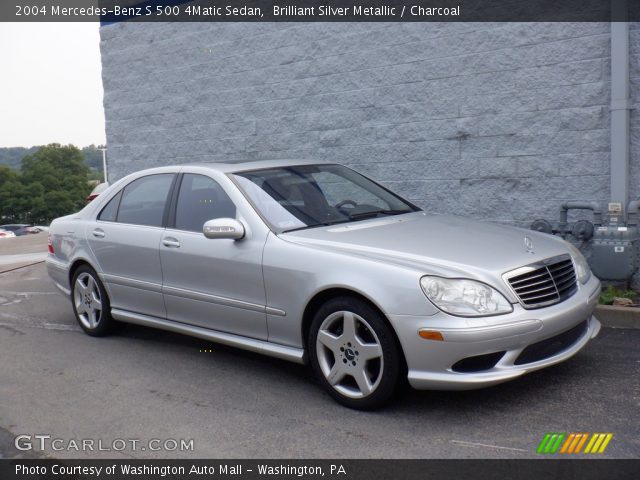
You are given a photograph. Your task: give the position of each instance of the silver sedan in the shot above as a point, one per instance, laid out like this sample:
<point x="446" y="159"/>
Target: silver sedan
<point x="314" y="262"/>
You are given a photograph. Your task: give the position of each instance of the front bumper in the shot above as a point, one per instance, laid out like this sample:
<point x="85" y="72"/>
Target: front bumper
<point x="431" y="362"/>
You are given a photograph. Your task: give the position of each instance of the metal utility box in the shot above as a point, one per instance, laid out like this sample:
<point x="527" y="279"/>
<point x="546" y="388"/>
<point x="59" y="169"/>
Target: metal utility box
<point x="614" y="249"/>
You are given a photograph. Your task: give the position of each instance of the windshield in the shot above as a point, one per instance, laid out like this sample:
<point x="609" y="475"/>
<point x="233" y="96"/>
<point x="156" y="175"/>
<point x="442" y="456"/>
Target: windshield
<point x="305" y="196"/>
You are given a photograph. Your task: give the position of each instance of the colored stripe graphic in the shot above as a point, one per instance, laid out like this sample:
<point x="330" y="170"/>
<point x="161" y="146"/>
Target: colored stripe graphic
<point x="551" y="443"/>
<point x="598" y="443"/>
<point x="572" y="443"/>
<point x="570" y="439"/>
<point x="581" y="443"/>
<point x="557" y="443"/>
<point x="543" y="443"/>
<point x="607" y="439"/>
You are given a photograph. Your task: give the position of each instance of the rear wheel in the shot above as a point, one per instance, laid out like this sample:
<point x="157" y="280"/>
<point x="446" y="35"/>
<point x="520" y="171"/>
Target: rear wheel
<point x="354" y="353"/>
<point x="91" y="303"/>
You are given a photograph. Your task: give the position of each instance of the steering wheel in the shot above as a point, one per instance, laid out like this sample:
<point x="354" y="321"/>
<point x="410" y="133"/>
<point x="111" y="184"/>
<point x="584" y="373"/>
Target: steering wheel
<point x="346" y="202"/>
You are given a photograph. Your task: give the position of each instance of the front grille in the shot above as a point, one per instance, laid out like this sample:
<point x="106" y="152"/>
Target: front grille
<point x="545" y="284"/>
<point x="551" y="346"/>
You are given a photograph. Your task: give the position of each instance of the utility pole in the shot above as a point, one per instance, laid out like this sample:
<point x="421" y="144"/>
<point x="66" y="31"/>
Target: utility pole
<point x="103" y="148"/>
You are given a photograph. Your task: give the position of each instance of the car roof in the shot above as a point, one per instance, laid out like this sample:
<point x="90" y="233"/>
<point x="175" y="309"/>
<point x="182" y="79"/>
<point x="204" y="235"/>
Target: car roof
<point x="242" y="165"/>
<point x="228" y="166"/>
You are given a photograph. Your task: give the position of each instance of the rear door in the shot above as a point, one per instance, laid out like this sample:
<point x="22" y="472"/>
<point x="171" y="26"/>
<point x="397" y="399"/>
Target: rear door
<point x="125" y="239"/>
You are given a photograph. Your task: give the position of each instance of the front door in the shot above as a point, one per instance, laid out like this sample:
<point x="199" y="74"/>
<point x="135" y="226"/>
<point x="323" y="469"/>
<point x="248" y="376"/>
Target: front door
<point x="212" y="283"/>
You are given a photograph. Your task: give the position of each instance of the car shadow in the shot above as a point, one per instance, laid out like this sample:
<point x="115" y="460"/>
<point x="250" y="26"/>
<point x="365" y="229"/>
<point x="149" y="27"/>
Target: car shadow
<point x="224" y="354"/>
<point x="522" y="391"/>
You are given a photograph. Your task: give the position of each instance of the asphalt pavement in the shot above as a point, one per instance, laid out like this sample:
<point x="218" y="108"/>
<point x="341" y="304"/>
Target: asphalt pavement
<point x="143" y="384"/>
<point x="17" y="252"/>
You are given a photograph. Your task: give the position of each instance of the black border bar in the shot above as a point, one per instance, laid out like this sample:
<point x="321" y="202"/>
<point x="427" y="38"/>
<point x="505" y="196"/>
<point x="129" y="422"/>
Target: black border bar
<point x="114" y="11"/>
<point x="536" y="469"/>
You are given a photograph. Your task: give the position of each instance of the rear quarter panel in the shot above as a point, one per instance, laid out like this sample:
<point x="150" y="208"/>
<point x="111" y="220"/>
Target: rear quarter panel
<point x="69" y="245"/>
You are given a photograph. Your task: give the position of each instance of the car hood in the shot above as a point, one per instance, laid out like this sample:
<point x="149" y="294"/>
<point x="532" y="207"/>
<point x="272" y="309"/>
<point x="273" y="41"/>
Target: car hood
<point x="435" y="244"/>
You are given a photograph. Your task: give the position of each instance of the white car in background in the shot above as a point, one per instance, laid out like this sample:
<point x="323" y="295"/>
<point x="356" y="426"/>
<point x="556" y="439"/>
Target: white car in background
<point x="6" y="233"/>
<point x="98" y="189"/>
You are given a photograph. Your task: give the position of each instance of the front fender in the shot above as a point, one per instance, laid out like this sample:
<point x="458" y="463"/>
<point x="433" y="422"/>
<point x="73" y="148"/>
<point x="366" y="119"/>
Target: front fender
<point x="294" y="274"/>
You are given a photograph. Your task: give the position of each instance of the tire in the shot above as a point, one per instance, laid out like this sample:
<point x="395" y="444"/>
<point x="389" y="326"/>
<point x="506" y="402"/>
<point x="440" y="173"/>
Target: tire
<point x="91" y="303"/>
<point x="355" y="354"/>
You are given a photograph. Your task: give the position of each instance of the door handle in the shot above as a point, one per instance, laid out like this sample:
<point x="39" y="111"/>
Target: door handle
<point x="171" y="242"/>
<point x="98" y="232"/>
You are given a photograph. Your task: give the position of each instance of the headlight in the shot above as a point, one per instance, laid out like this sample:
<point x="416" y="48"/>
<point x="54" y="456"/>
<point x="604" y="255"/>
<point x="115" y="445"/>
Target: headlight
<point x="463" y="297"/>
<point x="583" y="272"/>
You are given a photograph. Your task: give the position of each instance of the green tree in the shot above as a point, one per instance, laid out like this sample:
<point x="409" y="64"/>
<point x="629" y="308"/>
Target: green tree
<point x="7" y="174"/>
<point x="13" y="201"/>
<point x="52" y="182"/>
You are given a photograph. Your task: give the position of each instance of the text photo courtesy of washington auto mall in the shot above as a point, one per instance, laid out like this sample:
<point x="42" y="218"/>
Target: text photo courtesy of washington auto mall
<point x="363" y="240"/>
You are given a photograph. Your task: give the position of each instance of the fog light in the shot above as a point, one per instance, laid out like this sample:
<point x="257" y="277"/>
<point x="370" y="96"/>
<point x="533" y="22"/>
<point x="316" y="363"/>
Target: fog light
<point x="430" y="335"/>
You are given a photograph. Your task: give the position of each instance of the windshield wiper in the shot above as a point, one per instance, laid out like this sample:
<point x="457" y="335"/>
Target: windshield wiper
<point x="320" y="224"/>
<point x="375" y="213"/>
<point x="355" y="216"/>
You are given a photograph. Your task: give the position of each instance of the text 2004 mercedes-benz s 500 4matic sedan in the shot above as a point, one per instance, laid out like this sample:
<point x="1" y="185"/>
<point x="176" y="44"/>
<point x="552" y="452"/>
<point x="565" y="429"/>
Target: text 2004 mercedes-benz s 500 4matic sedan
<point x="313" y="262"/>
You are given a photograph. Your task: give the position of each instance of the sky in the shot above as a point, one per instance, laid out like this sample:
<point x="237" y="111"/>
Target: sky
<point x="50" y="84"/>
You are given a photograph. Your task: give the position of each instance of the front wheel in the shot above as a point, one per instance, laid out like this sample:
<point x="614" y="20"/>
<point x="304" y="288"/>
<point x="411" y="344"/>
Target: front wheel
<point x="91" y="303"/>
<point x="354" y="354"/>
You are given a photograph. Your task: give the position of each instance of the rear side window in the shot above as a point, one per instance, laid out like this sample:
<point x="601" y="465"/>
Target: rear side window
<point x="110" y="211"/>
<point x="201" y="199"/>
<point x="143" y="200"/>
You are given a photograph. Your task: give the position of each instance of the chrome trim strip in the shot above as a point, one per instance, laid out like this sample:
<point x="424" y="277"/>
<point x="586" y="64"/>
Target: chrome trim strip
<point x="291" y="354"/>
<point x="191" y="294"/>
<point x="534" y="266"/>
<point x="275" y="311"/>
<point x="130" y="282"/>
<point x="218" y="300"/>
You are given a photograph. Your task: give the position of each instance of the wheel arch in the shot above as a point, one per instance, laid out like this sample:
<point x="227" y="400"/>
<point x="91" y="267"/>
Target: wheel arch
<point x="77" y="263"/>
<point x="327" y="294"/>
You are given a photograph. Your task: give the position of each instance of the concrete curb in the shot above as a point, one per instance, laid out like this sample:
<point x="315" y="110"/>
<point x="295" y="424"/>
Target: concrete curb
<point x="618" y="317"/>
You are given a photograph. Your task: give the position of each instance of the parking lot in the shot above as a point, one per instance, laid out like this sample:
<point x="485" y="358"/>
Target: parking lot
<point x="146" y="384"/>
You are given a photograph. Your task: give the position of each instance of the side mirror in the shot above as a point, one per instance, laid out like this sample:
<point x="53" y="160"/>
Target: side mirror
<point x="223" y="228"/>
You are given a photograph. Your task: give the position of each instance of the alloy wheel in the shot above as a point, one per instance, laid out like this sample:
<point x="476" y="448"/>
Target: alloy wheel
<point x="349" y="354"/>
<point x="87" y="300"/>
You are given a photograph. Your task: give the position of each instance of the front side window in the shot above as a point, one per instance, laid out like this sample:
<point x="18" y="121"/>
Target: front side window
<point x="144" y="200"/>
<point x="201" y="199"/>
<point x="304" y="196"/>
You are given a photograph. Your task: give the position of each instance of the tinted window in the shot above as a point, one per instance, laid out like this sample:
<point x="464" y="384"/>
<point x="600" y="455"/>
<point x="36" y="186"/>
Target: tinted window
<point x="110" y="211"/>
<point x="311" y="195"/>
<point x="144" y="199"/>
<point x="200" y="199"/>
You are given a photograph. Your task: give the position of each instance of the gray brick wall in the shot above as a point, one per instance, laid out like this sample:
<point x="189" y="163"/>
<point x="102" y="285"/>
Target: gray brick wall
<point x="500" y="121"/>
